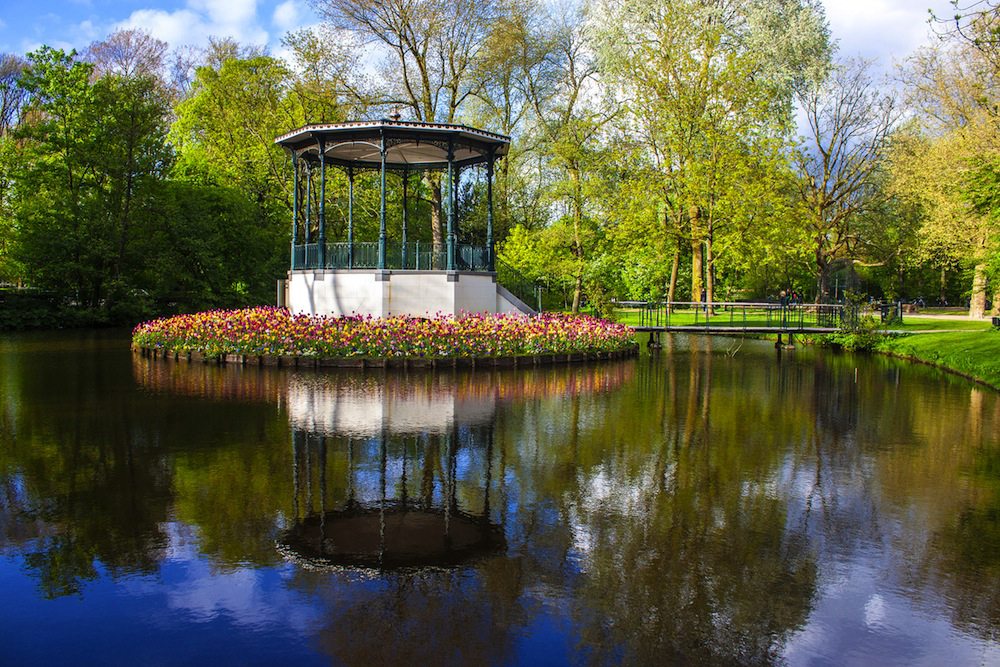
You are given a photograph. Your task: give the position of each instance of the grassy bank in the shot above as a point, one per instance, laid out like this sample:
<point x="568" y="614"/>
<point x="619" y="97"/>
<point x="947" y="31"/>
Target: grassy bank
<point x="974" y="354"/>
<point x="968" y="347"/>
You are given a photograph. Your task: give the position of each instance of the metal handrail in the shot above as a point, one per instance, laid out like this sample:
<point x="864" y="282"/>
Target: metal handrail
<point x="742" y="314"/>
<point x="516" y="283"/>
<point x="412" y="256"/>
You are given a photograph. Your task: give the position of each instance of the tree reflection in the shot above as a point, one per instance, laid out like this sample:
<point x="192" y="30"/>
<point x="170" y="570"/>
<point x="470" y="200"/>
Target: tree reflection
<point x="682" y="545"/>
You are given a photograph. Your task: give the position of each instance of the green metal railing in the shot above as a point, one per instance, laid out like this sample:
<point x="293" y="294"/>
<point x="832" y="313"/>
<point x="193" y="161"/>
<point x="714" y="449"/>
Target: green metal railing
<point x="517" y="284"/>
<point x="414" y="256"/>
<point x="740" y="315"/>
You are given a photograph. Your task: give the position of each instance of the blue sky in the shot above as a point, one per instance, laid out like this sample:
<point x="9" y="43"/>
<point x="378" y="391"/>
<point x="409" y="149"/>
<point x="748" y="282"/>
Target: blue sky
<point x="25" y="25"/>
<point x="886" y="30"/>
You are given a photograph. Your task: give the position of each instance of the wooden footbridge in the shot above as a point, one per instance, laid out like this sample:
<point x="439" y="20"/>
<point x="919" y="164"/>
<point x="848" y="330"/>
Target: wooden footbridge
<point x="734" y="318"/>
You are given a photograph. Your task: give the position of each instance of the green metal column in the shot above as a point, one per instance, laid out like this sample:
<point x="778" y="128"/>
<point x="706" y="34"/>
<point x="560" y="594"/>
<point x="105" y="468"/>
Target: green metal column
<point x="308" y="224"/>
<point x="455" y="185"/>
<point x="406" y="180"/>
<point x="381" y="222"/>
<point x="322" y="203"/>
<point x="490" y="264"/>
<point x="295" y="206"/>
<point x="451" y="208"/>
<point x="350" y="217"/>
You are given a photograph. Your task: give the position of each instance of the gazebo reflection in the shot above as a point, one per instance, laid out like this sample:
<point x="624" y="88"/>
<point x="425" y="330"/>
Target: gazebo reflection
<point x="390" y="475"/>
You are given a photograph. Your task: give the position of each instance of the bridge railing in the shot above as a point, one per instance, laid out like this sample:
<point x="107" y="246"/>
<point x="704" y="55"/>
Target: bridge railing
<point x="737" y="315"/>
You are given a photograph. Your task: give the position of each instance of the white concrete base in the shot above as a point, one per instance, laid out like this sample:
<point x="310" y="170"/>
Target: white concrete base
<point x="341" y="293"/>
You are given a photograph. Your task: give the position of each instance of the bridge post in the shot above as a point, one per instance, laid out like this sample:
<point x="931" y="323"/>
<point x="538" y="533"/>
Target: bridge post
<point x="778" y="345"/>
<point x="654" y="340"/>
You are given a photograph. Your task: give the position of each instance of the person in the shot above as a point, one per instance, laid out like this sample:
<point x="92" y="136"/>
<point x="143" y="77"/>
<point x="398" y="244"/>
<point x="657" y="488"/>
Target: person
<point x="783" y="298"/>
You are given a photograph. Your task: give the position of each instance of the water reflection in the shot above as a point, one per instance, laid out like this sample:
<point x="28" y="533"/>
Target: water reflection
<point x="413" y="433"/>
<point x="716" y="504"/>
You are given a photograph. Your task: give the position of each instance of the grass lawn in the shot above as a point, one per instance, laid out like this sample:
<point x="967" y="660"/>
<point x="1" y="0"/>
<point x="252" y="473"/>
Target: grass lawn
<point x="972" y="353"/>
<point x="944" y="310"/>
<point x="917" y="323"/>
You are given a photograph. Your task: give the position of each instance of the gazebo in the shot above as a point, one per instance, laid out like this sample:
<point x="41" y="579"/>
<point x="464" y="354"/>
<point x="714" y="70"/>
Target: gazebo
<point x="386" y="277"/>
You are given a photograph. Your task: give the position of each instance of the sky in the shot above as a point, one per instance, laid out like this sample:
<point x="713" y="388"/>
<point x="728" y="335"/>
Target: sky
<point x="883" y="30"/>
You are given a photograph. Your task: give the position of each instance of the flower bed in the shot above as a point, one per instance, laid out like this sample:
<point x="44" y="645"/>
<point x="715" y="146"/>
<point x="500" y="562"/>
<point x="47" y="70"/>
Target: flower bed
<point x="275" y="333"/>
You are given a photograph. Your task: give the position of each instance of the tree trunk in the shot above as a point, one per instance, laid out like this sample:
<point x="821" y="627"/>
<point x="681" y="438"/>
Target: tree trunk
<point x="823" y="280"/>
<point x="433" y="182"/>
<point x="574" y="175"/>
<point x="977" y="304"/>
<point x="943" y="287"/>
<point x="672" y="288"/>
<point x="577" y="292"/>
<point x="995" y="310"/>
<point x="696" y="257"/>
<point x="709" y="273"/>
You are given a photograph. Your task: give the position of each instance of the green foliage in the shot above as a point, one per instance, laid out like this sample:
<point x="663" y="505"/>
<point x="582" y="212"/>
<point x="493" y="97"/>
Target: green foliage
<point x="867" y="335"/>
<point x="95" y="218"/>
<point x="861" y="332"/>
<point x="86" y="172"/>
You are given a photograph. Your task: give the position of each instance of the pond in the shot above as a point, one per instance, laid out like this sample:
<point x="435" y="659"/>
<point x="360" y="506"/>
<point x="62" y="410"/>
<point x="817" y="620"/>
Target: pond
<point x="717" y="503"/>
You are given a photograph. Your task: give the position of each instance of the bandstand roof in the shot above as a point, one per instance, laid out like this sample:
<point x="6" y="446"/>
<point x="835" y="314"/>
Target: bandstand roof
<point x="408" y="144"/>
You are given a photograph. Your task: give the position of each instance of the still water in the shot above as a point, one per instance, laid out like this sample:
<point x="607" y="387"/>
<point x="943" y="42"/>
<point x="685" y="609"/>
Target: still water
<point x="714" y="504"/>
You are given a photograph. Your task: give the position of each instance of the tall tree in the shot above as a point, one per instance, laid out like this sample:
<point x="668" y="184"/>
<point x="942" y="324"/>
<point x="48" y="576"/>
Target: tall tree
<point x="13" y="98"/>
<point x="92" y="155"/>
<point x="128" y="54"/>
<point x="567" y="121"/>
<point x="952" y="89"/>
<point x="517" y="52"/>
<point x="849" y="119"/>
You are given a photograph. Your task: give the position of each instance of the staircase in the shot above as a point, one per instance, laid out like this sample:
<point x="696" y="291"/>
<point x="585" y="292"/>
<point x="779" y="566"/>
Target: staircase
<point x="515" y="288"/>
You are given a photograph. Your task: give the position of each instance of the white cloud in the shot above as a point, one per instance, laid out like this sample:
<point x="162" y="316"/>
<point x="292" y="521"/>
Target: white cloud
<point x="29" y="45"/>
<point x="885" y="30"/>
<point x="287" y="16"/>
<point x="226" y="12"/>
<point x="200" y="20"/>
<point x="88" y="30"/>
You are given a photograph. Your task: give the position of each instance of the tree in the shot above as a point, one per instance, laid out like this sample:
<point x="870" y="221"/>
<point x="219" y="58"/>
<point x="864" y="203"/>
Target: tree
<point x="432" y="58"/>
<point x="952" y="91"/>
<point x="567" y="123"/>
<point x="92" y="154"/>
<point x="517" y="52"/>
<point x="976" y="24"/>
<point x="849" y="120"/>
<point x="224" y="135"/>
<point x="54" y="213"/>
<point x="128" y="54"/>
<point x="13" y="97"/>
<point x="709" y="84"/>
